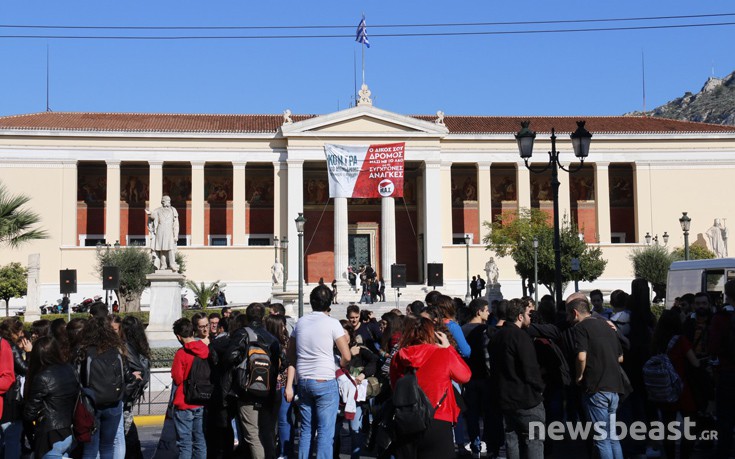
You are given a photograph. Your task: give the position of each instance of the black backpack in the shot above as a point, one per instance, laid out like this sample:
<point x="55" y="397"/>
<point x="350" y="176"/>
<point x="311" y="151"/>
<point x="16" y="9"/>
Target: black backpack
<point x="413" y="411"/>
<point x="104" y="376"/>
<point x="253" y="374"/>
<point x="198" y="387"/>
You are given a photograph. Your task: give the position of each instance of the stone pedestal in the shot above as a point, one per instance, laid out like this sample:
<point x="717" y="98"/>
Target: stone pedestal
<point x="33" y="297"/>
<point x="165" y="306"/>
<point x="493" y="293"/>
<point x="288" y="299"/>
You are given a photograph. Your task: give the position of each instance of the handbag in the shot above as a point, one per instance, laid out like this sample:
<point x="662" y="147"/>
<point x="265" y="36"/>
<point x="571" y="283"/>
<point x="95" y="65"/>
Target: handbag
<point x="627" y="386"/>
<point x="85" y="421"/>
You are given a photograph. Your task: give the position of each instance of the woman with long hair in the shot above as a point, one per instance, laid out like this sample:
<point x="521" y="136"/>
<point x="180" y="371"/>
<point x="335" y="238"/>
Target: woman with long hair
<point x="139" y="370"/>
<point x="437" y="366"/>
<point x="74" y="334"/>
<point x="51" y="396"/>
<point x="668" y="339"/>
<point x="98" y="337"/>
<point x="276" y="326"/>
<point x="11" y="330"/>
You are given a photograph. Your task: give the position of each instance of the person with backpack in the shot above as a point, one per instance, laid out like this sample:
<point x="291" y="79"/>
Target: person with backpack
<point x="310" y="354"/>
<point x="669" y="341"/>
<point x="103" y="373"/>
<point x="480" y="286"/>
<point x="421" y="375"/>
<point x="190" y="374"/>
<point x="52" y="390"/>
<point x="11" y="331"/>
<point x="138" y="355"/>
<point x="255" y="354"/>
<point x="722" y="348"/>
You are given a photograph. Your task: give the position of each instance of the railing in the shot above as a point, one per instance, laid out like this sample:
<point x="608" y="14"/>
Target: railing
<point x="158" y="393"/>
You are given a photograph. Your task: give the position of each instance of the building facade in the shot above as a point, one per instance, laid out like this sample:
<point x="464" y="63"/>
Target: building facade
<point x="239" y="181"/>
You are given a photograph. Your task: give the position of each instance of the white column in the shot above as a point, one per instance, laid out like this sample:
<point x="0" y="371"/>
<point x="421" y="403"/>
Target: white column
<point x="155" y="185"/>
<point x="112" y="202"/>
<point x="341" y="248"/>
<point x="387" y="237"/>
<point x="602" y="202"/>
<point x="197" y="203"/>
<point x="433" y="212"/>
<point x="642" y="194"/>
<point x="294" y="205"/>
<point x="238" y="204"/>
<point x="523" y="186"/>
<point x="484" y="199"/>
<point x="69" y="204"/>
<point x="445" y="187"/>
<point x="279" y="206"/>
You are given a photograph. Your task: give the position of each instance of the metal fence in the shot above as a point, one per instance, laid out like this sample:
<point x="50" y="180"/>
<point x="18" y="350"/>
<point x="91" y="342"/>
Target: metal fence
<point x="158" y="394"/>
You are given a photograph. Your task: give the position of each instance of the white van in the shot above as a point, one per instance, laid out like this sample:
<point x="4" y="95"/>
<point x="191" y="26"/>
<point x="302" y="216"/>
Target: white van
<point x="699" y="276"/>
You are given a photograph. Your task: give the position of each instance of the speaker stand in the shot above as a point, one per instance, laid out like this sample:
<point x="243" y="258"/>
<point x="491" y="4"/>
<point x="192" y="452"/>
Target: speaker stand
<point x="398" y="297"/>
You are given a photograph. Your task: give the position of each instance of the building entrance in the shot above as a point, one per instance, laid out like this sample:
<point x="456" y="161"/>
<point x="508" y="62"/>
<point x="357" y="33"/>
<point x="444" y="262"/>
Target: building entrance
<point x="359" y="253"/>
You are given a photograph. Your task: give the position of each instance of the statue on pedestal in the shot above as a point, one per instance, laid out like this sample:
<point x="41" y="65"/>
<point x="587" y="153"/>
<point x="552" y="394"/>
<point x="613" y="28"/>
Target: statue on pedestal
<point x="277" y="273"/>
<point x="491" y="270"/>
<point x="717" y="235"/>
<point x="163" y="225"/>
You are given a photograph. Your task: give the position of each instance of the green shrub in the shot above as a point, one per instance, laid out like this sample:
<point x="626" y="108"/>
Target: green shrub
<point x="162" y="357"/>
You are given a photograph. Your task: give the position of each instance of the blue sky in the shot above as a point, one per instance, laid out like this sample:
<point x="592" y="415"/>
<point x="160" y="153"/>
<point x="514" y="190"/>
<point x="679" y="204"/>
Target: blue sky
<point x="536" y="74"/>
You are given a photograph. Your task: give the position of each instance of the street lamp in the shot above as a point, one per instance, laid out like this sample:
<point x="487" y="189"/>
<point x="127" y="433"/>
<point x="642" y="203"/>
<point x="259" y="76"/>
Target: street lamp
<point x="581" y="144"/>
<point x="117" y="245"/>
<point x="300" y="223"/>
<point x="284" y="257"/>
<point x="275" y="247"/>
<point x="647" y="237"/>
<point x="467" y="239"/>
<point x="535" y="270"/>
<point x="685" y="222"/>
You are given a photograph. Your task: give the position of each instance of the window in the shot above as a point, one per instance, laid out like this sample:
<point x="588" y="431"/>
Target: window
<point x="219" y="240"/>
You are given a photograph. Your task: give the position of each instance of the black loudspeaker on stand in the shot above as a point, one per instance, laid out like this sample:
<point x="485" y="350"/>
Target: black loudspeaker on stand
<point x="398" y="276"/>
<point x="436" y="275"/>
<point x="110" y="278"/>
<point x="67" y="281"/>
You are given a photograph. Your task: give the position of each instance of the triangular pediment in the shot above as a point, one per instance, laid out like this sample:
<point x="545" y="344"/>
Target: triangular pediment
<point x="364" y="120"/>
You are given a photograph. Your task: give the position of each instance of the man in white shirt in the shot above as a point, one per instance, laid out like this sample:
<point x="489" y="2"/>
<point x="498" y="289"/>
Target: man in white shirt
<point x="311" y="357"/>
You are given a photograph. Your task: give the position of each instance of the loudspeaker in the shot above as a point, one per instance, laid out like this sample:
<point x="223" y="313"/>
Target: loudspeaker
<point x="67" y="281"/>
<point x="110" y="278"/>
<point x="436" y="275"/>
<point x="398" y="276"/>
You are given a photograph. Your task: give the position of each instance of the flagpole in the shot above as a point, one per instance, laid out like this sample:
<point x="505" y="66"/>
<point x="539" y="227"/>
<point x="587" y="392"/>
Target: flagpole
<point x="363" y="55"/>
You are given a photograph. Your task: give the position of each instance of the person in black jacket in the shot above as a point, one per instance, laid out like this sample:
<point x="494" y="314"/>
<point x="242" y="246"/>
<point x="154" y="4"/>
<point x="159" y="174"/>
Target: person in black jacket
<point x="517" y="375"/>
<point x="258" y="416"/>
<point x="139" y="366"/>
<point x="11" y="330"/>
<point x="52" y="394"/>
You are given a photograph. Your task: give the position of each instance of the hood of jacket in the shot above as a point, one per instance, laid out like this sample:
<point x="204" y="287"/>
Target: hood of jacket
<point x="416" y="356"/>
<point x="198" y="348"/>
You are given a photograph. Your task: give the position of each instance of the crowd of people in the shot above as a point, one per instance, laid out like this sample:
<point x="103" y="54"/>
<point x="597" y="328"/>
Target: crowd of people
<point x="438" y="380"/>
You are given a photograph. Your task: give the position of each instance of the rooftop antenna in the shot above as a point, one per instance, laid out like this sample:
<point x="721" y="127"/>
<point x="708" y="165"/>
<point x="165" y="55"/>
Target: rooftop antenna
<point x="713" y="68"/>
<point x="48" y="107"/>
<point x="643" y="73"/>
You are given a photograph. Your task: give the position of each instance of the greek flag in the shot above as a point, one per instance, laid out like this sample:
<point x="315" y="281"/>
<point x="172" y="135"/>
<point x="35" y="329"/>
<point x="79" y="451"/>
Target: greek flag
<point x="362" y="33"/>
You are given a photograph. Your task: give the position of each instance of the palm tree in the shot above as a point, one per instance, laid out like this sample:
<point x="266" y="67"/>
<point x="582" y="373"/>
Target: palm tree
<point x="16" y="223"/>
<point x="204" y="293"/>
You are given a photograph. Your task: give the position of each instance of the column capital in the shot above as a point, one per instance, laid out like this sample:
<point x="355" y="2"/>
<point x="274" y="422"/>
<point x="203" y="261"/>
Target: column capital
<point x="298" y="163"/>
<point x="69" y="164"/>
<point x="197" y="164"/>
<point x="601" y="164"/>
<point x="484" y="164"/>
<point x="239" y="165"/>
<point x="279" y="165"/>
<point x="155" y="164"/>
<point x="432" y="164"/>
<point x="446" y="165"/>
<point x="113" y="163"/>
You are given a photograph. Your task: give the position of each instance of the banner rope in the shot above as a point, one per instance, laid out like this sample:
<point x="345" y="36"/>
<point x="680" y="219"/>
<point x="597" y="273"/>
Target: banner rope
<point x="409" y="218"/>
<point x="317" y="225"/>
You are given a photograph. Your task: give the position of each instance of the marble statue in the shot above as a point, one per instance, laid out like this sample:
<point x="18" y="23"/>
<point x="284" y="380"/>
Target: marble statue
<point x="277" y="273"/>
<point x="717" y="236"/>
<point x="163" y="225"/>
<point x="439" y="118"/>
<point x="491" y="270"/>
<point x="287" y="117"/>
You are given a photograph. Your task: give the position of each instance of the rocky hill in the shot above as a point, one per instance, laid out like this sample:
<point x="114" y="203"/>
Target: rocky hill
<point x="715" y="103"/>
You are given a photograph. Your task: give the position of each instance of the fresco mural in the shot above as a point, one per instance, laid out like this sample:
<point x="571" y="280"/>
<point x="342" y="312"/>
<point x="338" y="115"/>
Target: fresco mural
<point x="92" y="184"/>
<point x="134" y="183"/>
<point x="464" y="186"/>
<point x="177" y="183"/>
<point x="259" y="184"/>
<point x="217" y="185"/>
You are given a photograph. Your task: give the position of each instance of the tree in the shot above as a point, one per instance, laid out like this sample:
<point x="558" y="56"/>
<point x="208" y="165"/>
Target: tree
<point x="134" y="264"/>
<point x="652" y="264"/>
<point x="204" y="293"/>
<point x="512" y="235"/>
<point x="696" y="252"/>
<point x="16" y="223"/>
<point x="13" y="283"/>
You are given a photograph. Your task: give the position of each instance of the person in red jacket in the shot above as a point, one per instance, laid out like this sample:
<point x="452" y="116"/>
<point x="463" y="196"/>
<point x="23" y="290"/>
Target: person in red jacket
<point x="437" y="365"/>
<point x="188" y="418"/>
<point x="7" y="373"/>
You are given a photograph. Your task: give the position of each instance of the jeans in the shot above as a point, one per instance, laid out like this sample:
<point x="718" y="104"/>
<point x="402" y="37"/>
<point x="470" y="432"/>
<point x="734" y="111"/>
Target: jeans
<point x="601" y="408"/>
<point x="477" y="398"/>
<point x="285" y="428"/>
<point x="103" y="441"/>
<point x="119" y="443"/>
<point x="518" y="443"/>
<point x="356" y="433"/>
<point x="318" y="401"/>
<point x="10" y="438"/>
<point x="190" y="433"/>
<point x="59" y="449"/>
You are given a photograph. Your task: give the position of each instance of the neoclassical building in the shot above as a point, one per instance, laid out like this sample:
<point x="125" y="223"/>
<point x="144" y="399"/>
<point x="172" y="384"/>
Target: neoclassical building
<point x="239" y="181"/>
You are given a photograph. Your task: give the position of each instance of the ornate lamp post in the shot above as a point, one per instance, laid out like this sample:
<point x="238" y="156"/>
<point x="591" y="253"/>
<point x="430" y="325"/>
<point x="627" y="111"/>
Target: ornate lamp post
<point x="685" y="222"/>
<point x="284" y="257"/>
<point x="535" y="270"/>
<point x="300" y="223"/>
<point x="467" y="239"/>
<point x="275" y="248"/>
<point x="581" y="144"/>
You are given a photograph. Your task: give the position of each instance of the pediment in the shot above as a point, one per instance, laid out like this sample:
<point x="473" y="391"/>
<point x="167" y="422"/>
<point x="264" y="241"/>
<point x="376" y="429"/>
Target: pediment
<point x="364" y="121"/>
